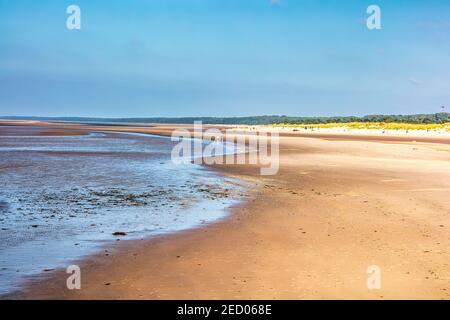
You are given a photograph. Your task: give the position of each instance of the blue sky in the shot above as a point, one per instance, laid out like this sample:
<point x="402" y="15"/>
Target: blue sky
<point x="143" y="58"/>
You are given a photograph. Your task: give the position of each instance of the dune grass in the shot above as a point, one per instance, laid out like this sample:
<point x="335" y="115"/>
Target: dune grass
<point x="370" y="125"/>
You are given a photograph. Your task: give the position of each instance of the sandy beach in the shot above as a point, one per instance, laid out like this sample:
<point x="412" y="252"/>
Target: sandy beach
<point x="339" y="204"/>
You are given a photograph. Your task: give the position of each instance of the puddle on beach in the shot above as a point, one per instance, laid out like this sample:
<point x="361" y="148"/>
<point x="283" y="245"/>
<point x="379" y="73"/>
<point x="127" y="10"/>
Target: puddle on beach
<point x="63" y="196"/>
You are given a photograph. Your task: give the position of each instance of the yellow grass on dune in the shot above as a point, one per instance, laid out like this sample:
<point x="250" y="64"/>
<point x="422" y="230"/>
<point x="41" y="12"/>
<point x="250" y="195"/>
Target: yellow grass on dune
<point x="371" y="125"/>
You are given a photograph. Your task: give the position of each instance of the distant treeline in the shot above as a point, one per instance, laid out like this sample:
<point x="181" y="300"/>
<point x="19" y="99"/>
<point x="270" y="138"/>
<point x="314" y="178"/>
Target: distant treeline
<point x="435" y="118"/>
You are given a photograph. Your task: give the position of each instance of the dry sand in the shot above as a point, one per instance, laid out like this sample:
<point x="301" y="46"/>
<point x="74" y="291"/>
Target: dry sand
<point x="337" y="206"/>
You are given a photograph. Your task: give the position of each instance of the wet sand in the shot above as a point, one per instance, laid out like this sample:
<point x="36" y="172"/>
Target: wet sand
<point x="64" y="196"/>
<point x="311" y="231"/>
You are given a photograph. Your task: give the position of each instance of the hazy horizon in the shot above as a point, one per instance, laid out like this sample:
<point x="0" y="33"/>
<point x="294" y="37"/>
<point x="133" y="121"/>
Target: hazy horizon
<point x="216" y="118"/>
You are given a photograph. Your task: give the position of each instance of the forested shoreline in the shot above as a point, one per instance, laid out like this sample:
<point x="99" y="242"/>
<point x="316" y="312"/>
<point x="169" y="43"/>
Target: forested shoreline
<point x="434" y="118"/>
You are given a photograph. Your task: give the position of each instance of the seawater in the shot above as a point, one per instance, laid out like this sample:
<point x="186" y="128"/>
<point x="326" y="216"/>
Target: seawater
<point x="62" y="197"/>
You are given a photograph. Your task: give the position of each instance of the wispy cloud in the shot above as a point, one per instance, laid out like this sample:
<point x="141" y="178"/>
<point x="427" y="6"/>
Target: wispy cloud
<point x="415" y="81"/>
